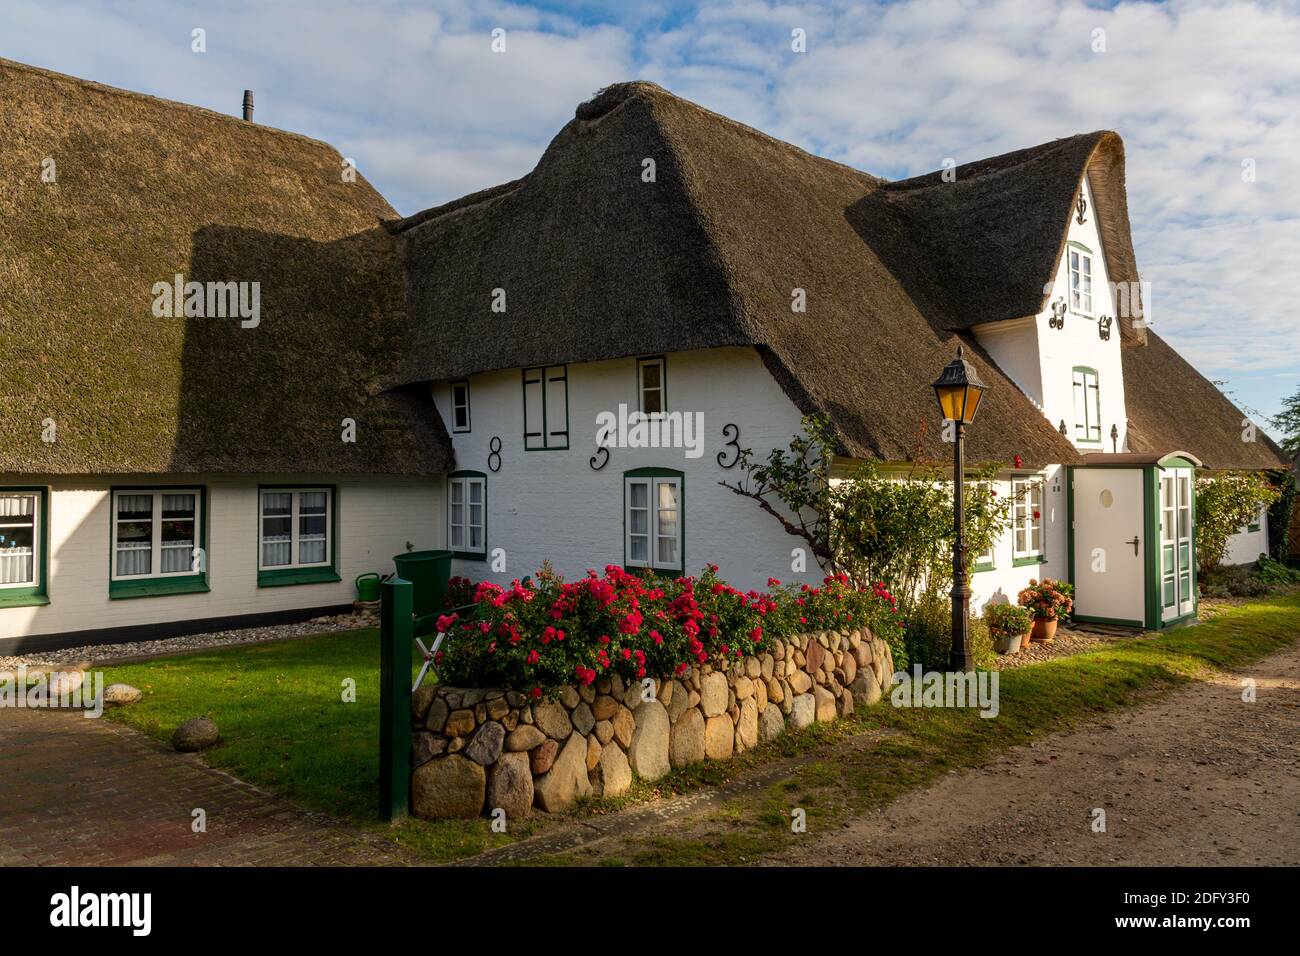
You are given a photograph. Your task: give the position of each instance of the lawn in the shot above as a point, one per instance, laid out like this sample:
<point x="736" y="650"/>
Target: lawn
<point x="285" y="727"/>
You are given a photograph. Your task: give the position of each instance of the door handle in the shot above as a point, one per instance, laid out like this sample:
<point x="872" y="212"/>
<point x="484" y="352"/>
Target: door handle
<point x="1134" y="542"/>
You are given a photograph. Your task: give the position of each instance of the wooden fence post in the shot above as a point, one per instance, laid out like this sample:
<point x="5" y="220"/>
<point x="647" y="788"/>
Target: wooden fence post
<point x="396" y="632"/>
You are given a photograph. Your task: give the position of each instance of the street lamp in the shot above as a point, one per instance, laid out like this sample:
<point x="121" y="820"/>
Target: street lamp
<point x="959" y="391"/>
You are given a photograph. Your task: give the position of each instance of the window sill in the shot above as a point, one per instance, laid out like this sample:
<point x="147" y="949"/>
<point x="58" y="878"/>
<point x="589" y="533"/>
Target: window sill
<point x="23" y="597"/>
<point x="157" y="587"/>
<point x="469" y="556"/>
<point x="288" y="577"/>
<point x="1030" y="559"/>
<point x="983" y="567"/>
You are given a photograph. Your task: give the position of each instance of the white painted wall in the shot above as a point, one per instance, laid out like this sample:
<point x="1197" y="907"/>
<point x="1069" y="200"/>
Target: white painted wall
<point x="1040" y="359"/>
<point x="376" y="517"/>
<point x="551" y="504"/>
<point x="1246" y="546"/>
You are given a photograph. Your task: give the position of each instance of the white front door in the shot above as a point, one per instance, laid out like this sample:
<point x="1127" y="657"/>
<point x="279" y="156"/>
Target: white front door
<point x="1109" y="583"/>
<point x="1176" y="595"/>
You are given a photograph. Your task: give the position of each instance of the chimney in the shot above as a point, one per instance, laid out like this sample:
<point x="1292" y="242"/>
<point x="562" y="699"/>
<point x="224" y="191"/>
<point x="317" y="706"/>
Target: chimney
<point x="248" y="105"/>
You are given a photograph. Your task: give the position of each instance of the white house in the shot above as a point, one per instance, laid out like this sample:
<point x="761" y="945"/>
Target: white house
<point x="451" y="379"/>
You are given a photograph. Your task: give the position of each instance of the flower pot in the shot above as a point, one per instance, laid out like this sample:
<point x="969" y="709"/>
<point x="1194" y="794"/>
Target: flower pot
<point x="1006" y="643"/>
<point x="1044" y="629"/>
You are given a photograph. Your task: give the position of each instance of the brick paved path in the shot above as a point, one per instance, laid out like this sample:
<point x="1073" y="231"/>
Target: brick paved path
<point x="93" y="793"/>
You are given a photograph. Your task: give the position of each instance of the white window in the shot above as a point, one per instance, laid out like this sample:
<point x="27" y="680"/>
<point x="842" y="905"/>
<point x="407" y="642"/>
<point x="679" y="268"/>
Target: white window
<point x="984" y="560"/>
<point x="546" y="407"/>
<point x="653" y="521"/>
<point x="156" y="533"/>
<point x="1080" y="281"/>
<point x="650" y="385"/>
<point x="20" y="535"/>
<point x="467" y="514"/>
<point x="296" y="527"/>
<point x="1087" y="405"/>
<point x="1027" y="518"/>
<point x="460" y="406"/>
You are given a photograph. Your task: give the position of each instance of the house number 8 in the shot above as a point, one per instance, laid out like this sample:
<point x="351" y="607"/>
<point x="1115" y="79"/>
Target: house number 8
<point x="494" y="454"/>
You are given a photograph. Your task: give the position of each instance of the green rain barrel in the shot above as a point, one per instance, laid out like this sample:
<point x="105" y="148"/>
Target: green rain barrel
<point x="429" y="572"/>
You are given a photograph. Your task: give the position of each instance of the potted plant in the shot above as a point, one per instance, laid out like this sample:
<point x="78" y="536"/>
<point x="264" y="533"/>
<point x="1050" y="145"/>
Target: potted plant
<point x="1048" y="601"/>
<point x="1009" y="625"/>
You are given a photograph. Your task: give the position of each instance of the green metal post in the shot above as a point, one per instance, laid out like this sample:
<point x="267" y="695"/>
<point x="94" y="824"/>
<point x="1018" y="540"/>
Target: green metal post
<point x="395" y="637"/>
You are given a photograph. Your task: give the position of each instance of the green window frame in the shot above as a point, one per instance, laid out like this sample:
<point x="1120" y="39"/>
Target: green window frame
<point x="987" y="561"/>
<point x="136" y="568"/>
<point x="1086" y="389"/>
<point x="546" y="407"/>
<point x="1028" y="534"/>
<point x="303" y="507"/>
<point x="1258" y="523"/>
<point x="463" y="531"/>
<point x="13" y="508"/>
<point x="460" y="420"/>
<point x="652" y="384"/>
<point x="654" y="499"/>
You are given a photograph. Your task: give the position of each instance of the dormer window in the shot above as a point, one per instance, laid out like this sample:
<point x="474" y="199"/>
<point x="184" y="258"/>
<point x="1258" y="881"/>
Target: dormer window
<point x="1080" y="278"/>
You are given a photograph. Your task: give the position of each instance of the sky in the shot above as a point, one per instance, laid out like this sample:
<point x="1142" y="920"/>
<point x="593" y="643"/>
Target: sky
<point x="1206" y="96"/>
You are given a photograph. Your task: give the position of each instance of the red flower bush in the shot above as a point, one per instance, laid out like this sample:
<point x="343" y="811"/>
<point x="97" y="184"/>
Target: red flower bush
<point x="636" y="625"/>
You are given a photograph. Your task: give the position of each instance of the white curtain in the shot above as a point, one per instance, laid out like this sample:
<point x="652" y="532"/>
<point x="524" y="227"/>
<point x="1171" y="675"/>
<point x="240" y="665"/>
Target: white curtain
<point x="17" y="566"/>
<point x="17" y="562"/>
<point x="134" y="558"/>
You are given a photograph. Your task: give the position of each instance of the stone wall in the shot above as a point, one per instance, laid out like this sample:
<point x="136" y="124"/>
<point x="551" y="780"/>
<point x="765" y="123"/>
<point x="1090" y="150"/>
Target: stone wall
<point x="476" y="750"/>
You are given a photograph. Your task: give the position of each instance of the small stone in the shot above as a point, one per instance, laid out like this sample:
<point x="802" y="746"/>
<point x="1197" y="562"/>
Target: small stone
<point x="624" y="727"/>
<point x="524" y="738"/>
<point x="803" y="712"/>
<point x="541" y="758"/>
<point x="744" y="688"/>
<point x="566" y="780"/>
<point x="119" y="695"/>
<point x="421" y="698"/>
<point x="511" y="720"/>
<point x="582" y="718"/>
<point x="753" y="669"/>
<point x="568" y="697"/>
<point x="825" y="702"/>
<point x="436" y="717"/>
<point x="866" y="688"/>
<point x="714" y="694"/>
<point x="850" y="668"/>
<point x="451" y="696"/>
<point x="747" y="724"/>
<point x="587" y="693"/>
<point x="480" y="712"/>
<point x="497" y="708"/>
<point x="425" y="746"/>
<point x="615" y="771"/>
<point x="195" y="734"/>
<point x="602" y="685"/>
<point x="485" y="746"/>
<point x="678" y="702"/>
<point x="455" y="745"/>
<point x="770" y="723"/>
<point x="593" y="752"/>
<point x="666" y="689"/>
<point x="760" y="693"/>
<point x="514" y="698"/>
<point x="510" y="786"/>
<point x="604" y="731"/>
<point x="778" y="651"/>
<point x="862" y="655"/>
<point x="844" y="704"/>
<point x="471" y="697"/>
<point x="648" y="752"/>
<point x="815" y="655"/>
<point x="766" y="666"/>
<point x="616" y="686"/>
<point x="686" y="744"/>
<point x="774" y="692"/>
<point x="800" y="682"/>
<point x="604" y="707"/>
<point x="460" y="723"/>
<point x="448" y="788"/>
<point x="552" y="719"/>
<point x="719" y="738"/>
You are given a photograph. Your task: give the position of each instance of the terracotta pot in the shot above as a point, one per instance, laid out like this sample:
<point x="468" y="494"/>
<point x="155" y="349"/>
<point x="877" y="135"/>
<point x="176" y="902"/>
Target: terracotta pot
<point x="1044" y="629"/>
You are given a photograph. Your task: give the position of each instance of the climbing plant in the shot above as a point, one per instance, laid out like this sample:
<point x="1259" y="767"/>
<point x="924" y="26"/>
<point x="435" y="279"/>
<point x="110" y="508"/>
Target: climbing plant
<point x="1226" y="503"/>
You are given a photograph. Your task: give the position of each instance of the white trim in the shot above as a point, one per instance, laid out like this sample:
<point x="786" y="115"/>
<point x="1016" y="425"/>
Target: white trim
<point x="1022" y="517"/>
<point x="641" y="388"/>
<point x="651" y="538"/>
<point x="155" y="519"/>
<point x="1085" y="306"/>
<point x="295" y="534"/>
<point x="456" y="406"/>
<point x="465" y="484"/>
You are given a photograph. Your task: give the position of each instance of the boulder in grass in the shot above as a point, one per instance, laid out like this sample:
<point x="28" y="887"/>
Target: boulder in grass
<point x="197" y="733"/>
<point x="119" y="695"/>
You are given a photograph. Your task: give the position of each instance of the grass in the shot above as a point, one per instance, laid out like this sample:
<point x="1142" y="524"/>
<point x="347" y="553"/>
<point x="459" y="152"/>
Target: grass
<point x="285" y="727"/>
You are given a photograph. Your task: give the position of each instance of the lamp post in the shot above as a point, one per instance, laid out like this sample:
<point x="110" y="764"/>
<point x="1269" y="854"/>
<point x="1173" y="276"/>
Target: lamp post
<point x="959" y="391"/>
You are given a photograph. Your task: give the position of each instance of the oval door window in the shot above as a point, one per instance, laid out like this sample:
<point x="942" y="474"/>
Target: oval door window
<point x="1107" y="499"/>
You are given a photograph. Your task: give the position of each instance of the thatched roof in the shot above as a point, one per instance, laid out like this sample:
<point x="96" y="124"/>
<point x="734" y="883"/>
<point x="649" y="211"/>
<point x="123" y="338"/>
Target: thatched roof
<point x="146" y="189"/>
<point x="598" y="264"/>
<point x="1171" y="405"/>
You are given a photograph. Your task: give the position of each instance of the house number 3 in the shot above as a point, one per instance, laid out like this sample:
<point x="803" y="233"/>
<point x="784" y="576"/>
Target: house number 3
<point x="733" y="442"/>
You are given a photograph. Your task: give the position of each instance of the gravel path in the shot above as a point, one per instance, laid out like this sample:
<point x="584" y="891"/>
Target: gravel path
<point x="106" y="653"/>
<point x="1200" y="778"/>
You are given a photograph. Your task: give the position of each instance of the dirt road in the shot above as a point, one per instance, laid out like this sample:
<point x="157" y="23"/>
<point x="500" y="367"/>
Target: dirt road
<point x="1199" y="778"/>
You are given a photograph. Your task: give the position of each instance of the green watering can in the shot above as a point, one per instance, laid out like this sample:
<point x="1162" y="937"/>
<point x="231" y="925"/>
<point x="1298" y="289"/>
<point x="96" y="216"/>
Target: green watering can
<point x="368" y="586"/>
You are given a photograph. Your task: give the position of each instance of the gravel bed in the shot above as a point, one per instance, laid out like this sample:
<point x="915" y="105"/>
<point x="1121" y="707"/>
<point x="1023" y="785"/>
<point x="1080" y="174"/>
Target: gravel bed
<point x="106" y="653"/>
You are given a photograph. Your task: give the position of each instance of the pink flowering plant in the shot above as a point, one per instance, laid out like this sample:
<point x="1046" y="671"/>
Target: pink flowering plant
<point x="548" y="632"/>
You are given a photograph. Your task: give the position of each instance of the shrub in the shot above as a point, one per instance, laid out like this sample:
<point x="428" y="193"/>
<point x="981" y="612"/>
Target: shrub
<point x="1047" y="600"/>
<point x="929" y="636"/>
<point x="1279" y="514"/>
<point x="547" y="632"/>
<point x="1224" y="505"/>
<point x="1008" y="619"/>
